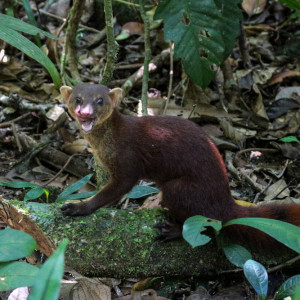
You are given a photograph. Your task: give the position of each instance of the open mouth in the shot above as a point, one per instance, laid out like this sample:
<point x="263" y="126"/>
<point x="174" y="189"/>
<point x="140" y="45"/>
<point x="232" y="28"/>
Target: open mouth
<point x="87" y="124"/>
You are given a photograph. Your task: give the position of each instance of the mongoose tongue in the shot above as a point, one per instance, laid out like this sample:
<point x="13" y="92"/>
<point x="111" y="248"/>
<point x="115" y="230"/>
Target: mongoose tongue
<point x="87" y="125"/>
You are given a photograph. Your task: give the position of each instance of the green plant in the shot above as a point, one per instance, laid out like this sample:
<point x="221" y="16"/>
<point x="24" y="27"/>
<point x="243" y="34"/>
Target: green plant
<point x="70" y="192"/>
<point x="15" y="244"/>
<point x="289" y="139"/>
<point x="35" y="192"/>
<point x="203" y="35"/>
<point x="9" y="28"/>
<point x="255" y="273"/>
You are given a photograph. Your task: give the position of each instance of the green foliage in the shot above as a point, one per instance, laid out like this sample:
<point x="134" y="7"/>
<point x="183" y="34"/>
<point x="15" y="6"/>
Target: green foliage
<point x="35" y="192"/>
<point x="9" y="28"/>
<point x="15" y="244"/>
<point x="257" y="276"/>
<point x="237" y="254"/>
<point x="193" y="227"/>
<point x="291" y="4"/>
<point x="203" y="35"/>
<point x="288" y="288"/>
<point x="289" y="139"/>
<point x="31" y="19"/>
<point x="47" y="282"/>
<point x="16" y="274"/>
<point x="67" y="194"/>
<point x="139" y="191"/>
<point x="283" y="232"/>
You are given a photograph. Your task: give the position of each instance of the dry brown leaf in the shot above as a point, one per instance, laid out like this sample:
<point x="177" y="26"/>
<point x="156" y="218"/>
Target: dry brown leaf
<point x="279" y="77"/>
<point x="252" y="7"/>
<point x="90" y="288"/>
<point x="258" y="105"/>
<point x="279" y="189"/>
<point x="134" y="28"/>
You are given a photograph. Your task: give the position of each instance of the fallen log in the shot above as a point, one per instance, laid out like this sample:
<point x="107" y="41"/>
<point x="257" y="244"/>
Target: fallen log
<point x="118" y="243"/>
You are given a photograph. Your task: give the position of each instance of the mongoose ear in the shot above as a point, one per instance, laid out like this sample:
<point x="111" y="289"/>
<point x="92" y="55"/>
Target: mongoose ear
<point x="66" y="91"/>
<point x="115" y="95"/>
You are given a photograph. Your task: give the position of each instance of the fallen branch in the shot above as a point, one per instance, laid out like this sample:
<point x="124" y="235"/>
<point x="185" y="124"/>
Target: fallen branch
<point x="118" y="243"/>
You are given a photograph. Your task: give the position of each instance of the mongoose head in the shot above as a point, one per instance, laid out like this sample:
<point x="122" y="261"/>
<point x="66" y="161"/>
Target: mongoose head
<point x="90" y="104"/>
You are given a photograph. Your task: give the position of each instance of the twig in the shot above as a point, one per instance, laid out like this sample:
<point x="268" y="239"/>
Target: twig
<point x="112" y="45"/>
<point x="147" y="57"/>
<point x="43" y="12"/>
<point x="61" y="66"/>
<point x="171" y="78"/>
<point x="262" y="192"/>
<point x="14" y="130"/>
<point x="239" y="153"/>
<point x="11" y="122"/>
<point x="61" y="170"/>
<point x="75" y="15"/>
<point x="287" y="263"/>
<point x="244" y="48"/>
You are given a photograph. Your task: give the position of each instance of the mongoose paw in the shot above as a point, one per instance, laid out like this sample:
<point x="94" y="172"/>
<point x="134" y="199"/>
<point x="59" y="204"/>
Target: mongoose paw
<point x="74" y="209"/>
<point x="168" y="231"/>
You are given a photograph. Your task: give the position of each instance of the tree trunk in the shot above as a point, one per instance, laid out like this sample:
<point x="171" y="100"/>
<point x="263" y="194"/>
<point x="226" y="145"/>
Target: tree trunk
<point x="117" y="243"/>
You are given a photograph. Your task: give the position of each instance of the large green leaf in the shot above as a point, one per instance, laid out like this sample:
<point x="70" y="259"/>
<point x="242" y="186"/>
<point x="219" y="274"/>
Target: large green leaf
<point x="19" y="184"/>
<point x="18" y="25"/>
<point x="47" y="283"/>
<point x="289" y="139"/>
<point x="288" y="288"/>
<point x="236" y="254"/>
<point x="283" y="232"/>
<point x="292" y="4"/>
<point x="34" y="193"/>
<point x="257" y="276"/>
<point x="16" y="274"/>
<point x="203" y="33"/>
<point x="193" y="227"/>
<point x="15" y="244"/>
<point x="139" y="191"/>
<point x="73" y="188"/>
<point x="17" y="40"/>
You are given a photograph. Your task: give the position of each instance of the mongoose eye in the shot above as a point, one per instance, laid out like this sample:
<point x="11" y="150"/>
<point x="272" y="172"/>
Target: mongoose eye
<point x="78" y="100"/>
<point x="99" y="101"/>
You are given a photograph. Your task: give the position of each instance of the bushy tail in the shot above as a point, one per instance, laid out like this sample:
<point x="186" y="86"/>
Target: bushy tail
<point x="289" y="213"/>
<point x="255" y="238"/>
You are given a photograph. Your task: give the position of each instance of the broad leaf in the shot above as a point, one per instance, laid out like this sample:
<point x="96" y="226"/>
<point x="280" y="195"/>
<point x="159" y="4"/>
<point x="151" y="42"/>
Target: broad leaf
<point x="286" y="233"/>
<point x="288" y="288"/>
<point x="141" y="190"/>
<point x="237" y="254"/>
<point x="47" y="283"/>
<point x="17" y="40"/>
<point x="18" y="25"/>
<point x="73" y="188"/>
<point x="15" y="244"/>
<point x="16" y="274"/>
<point x="34" y="193"/>
<point x="19" y="184"/>
<point x="257" y="276"/>
<point x="193" y="227"/>
<point x="292" y="4"/>
<point x="289" y="139"/>
<point x="203" y="35"/>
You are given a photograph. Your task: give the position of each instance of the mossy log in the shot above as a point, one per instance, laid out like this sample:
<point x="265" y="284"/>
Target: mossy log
<point x="117" y="243"/>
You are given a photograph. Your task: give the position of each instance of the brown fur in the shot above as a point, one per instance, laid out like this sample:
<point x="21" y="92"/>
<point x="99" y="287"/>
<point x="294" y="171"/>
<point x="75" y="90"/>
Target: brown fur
<point x="173" y="152"/>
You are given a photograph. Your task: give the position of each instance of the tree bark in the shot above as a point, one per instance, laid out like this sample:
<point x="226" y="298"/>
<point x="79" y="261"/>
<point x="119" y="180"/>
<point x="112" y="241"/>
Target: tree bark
<point x="118" y="243"/>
